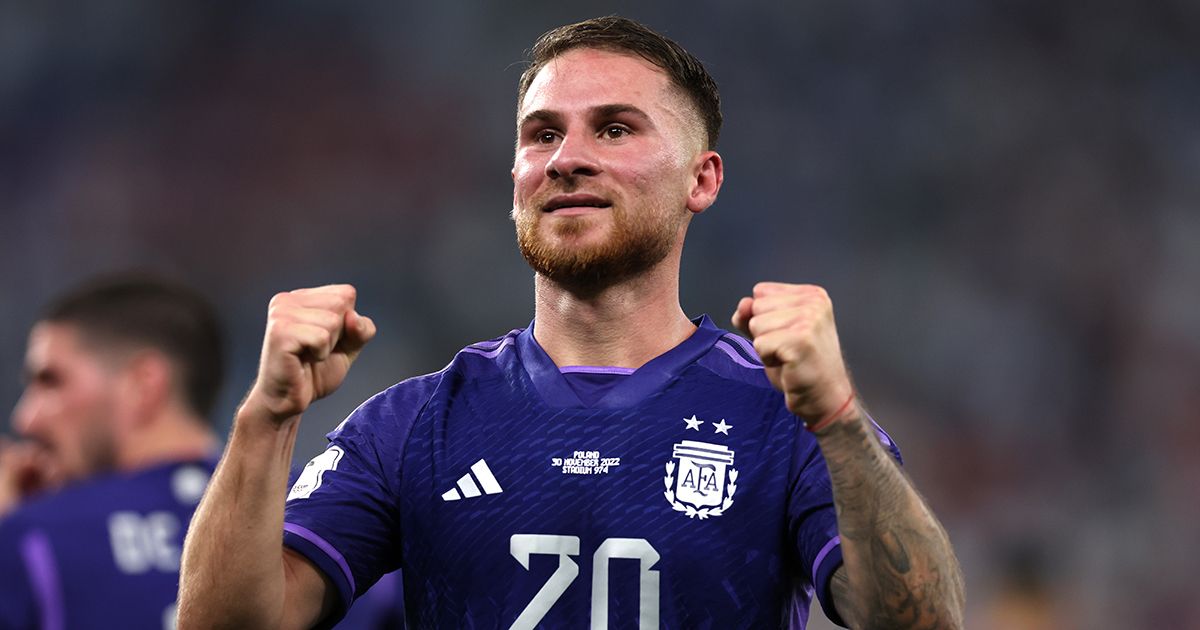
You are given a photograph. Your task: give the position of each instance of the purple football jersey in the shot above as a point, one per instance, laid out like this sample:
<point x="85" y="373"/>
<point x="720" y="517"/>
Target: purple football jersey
<point x="515" y="494"/>
<point x="103" y="553"/>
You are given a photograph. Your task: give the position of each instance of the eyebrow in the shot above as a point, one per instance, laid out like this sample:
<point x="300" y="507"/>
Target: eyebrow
<point x="600" y="111"/>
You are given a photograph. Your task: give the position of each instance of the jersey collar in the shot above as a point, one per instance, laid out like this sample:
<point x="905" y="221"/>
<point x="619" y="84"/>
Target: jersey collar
<point x="646" y="380"/>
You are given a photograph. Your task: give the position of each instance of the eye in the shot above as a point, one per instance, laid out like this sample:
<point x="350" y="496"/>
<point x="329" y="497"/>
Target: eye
<point x="615" y="132"/>
<point x="545" y="136"/>
<point x="46" y="378"/>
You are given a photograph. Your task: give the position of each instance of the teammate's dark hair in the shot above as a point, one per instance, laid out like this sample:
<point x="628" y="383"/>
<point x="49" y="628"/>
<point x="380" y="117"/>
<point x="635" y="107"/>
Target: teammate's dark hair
<point x="141" y="311"/>
<point x="624" y="35"/>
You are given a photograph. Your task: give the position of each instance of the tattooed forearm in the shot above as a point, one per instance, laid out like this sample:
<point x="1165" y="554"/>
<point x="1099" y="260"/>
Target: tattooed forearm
<point x="899" y="570"/>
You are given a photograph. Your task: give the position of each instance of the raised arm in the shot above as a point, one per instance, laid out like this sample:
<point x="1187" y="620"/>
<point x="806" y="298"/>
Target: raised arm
<point x="899" y="570"/>
<point x="235" y="572"/>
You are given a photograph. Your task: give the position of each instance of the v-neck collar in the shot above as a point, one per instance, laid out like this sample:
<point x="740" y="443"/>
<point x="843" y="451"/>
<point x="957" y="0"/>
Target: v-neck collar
<point x="649" y="378"/>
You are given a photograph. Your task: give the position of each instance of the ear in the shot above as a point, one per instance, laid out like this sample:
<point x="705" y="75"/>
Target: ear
<point x="147" y="387"/>
<point x="707" y="176"/>
<point x="512" y="214"/>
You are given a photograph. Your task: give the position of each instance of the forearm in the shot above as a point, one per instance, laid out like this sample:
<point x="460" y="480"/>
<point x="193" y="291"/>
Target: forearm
<point x="232" y="572"/>
<point x="899" y="568"/>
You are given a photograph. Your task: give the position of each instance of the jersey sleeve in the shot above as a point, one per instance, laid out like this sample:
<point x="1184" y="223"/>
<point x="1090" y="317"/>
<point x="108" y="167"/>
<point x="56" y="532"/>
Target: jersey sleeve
<point x="20" y="595"/>
<point x="342" y="512"/>
<point x="812" y="519"/>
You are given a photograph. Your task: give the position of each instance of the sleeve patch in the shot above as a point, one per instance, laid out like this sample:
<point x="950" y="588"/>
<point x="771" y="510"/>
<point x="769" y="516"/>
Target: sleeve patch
<point x="314" y="471"/>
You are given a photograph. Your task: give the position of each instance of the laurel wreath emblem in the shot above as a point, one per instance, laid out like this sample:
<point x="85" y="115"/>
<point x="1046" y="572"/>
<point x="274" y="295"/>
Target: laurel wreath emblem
<point x="701" y="513"/>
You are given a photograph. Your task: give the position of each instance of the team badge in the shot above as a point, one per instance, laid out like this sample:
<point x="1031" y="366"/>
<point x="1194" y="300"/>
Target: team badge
<point x="706" y="481"/>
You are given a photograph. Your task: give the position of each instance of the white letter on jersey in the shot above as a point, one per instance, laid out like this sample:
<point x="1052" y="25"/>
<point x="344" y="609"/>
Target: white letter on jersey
<point x="310" y="478"/>
<point x="140" y="544"/>
<point x="521" y="546"/>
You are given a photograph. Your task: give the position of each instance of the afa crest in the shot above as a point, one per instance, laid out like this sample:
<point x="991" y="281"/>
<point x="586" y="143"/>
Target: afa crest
<point x="706" y="481"/>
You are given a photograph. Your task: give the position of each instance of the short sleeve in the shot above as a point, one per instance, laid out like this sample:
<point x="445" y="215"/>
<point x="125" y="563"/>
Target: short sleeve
<point x="812" y="519"/>
<point x="341" y="513"/>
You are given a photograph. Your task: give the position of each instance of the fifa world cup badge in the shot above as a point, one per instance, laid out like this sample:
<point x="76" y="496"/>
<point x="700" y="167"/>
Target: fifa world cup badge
<point x="706" y="479"/>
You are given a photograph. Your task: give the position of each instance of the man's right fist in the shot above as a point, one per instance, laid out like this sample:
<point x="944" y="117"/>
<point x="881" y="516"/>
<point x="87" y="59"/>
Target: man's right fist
<point x="312" y="337"/>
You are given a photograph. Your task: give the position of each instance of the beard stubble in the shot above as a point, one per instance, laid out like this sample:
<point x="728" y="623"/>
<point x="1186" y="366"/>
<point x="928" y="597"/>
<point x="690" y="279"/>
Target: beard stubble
<point x="631" y="248"/>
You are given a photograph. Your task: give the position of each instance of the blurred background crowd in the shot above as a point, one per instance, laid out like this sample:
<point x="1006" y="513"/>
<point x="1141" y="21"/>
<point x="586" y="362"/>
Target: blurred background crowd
<point x="1003" y="199"/>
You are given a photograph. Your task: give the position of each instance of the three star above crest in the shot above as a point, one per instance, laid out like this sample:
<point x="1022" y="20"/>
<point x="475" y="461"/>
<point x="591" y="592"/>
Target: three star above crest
<point x="693" y="423"/>
<point x="721" y="427"/>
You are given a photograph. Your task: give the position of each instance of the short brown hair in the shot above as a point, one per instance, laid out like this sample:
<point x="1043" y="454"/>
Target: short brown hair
<point x="138" y="310"/>
<point x="624" y="35"/>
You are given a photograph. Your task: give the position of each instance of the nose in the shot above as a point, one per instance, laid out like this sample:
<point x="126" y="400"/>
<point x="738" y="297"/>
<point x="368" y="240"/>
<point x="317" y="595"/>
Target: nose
<point x="25" y="414"/>
<point x="574" y="157"/>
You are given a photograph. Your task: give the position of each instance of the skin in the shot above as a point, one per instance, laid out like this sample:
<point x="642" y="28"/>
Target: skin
<point x="608" y="157"/>
<point x="70" y="394"/>
<point x="233" y="574"/>
<point x="63" y="417"/>
<point x="899" y="570"/>
<point x="612" y="126"/>
<point x="576" y="146"/>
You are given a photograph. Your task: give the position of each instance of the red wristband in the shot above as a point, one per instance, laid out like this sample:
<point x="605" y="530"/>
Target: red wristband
<point x="827" y="420"/>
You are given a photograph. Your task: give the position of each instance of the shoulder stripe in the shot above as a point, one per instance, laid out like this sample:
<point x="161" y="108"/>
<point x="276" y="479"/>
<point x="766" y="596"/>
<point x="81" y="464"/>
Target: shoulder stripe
<point x="43" y="577"/>
<point x="492" y="352"/>
<point x="492" y="344"/>
<point x="737" y="357"/>
<point x="743" y="343"/>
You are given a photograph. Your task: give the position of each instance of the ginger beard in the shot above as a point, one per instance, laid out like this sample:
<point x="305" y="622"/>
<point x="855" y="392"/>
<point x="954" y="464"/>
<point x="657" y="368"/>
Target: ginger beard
<point x="630" y="248"/>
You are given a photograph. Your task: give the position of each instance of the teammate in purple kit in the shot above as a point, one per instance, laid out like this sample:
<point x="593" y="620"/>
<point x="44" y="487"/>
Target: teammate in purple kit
<point x="117" y="449"/>
<point x="615" y="463"/>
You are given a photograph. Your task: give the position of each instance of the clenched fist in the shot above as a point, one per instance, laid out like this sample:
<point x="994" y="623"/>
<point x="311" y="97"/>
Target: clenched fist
<point x="312" y="337"/>
<point x="794" y="334"/>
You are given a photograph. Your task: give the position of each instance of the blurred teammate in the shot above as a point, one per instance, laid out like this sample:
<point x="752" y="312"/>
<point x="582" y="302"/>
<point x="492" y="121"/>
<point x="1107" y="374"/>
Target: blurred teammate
<point x="116" y="450"/>
<point x="615" y="462"/>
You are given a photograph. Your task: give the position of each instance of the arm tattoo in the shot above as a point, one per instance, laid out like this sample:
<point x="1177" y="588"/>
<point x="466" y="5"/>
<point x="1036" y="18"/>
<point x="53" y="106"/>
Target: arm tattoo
<point x="899" y="570"/>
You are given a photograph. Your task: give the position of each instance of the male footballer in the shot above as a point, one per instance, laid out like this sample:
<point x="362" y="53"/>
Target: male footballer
<point x="614" y="464"/>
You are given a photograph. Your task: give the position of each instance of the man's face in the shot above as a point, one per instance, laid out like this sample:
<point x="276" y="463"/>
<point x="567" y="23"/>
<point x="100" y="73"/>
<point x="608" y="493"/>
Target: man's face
<point x="605" y="159"/>
<point x="69" y="404"/>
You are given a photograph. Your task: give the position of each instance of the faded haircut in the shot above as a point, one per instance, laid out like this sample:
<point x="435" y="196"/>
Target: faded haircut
<point x="138" y="311"/>
<point x="618" y="34"/>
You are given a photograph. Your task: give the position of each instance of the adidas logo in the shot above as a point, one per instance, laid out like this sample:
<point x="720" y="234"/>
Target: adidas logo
<point x="466" y="483"/>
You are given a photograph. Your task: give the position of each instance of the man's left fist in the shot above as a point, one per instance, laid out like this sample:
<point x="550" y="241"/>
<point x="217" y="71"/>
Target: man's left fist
<point x="795" y="336"/>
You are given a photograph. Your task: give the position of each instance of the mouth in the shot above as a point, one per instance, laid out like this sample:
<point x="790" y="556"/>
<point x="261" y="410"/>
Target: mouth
<point x="575" y="204"/>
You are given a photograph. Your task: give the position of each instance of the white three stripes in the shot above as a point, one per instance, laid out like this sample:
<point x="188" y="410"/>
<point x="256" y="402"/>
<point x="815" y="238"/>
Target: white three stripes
<point x="466" y="483"/>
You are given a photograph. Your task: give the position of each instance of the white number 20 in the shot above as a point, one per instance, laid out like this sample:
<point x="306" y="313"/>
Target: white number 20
<point x="521" y="546"/>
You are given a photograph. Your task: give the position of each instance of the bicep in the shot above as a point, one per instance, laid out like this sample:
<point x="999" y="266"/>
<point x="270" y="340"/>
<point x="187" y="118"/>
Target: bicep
<point x="309" y="595"/>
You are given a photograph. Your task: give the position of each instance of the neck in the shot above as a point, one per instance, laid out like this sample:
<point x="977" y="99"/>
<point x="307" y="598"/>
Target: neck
<point x="623" y="325"/>
<point x="173" y="437"/>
